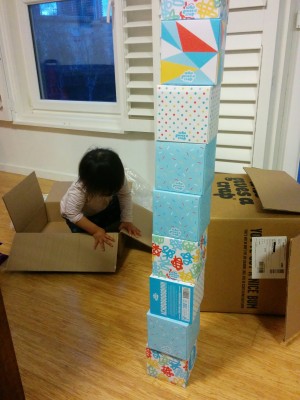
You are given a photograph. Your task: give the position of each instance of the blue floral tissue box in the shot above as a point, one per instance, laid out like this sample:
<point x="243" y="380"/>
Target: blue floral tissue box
<point x="177" y="259"/>
<point x="168" y="368"/>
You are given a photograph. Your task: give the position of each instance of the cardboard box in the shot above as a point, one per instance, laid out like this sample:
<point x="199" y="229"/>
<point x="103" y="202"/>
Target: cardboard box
<point x="176" y="259"/>
<point x="187" y="114"/>
<point x="192" y="52"/>
<point x="175" y="338"/>
<point x="168" y="368"/>
<point x="180" y="215"/>
<point x="43" y="241"/>
<point x="193" y="9"/>
<point x="184" y="167"/>
<point x="177" y="300"/>
<point x="258" y="204"/>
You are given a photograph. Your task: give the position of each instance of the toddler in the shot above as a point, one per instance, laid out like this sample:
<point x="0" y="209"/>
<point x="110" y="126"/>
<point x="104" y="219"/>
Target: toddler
<point x="99" y="201"/>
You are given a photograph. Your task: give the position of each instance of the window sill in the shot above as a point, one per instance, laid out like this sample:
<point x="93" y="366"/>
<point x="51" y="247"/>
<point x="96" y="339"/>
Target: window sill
<point x="84" y="122"/>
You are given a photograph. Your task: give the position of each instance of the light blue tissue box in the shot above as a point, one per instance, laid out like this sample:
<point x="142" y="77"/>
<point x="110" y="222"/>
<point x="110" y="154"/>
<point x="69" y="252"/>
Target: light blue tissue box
<point x="184" y="167"/>
<point x="176" y="300"/>
<point x="175" y="338"/>
<point x="180" y="215"/>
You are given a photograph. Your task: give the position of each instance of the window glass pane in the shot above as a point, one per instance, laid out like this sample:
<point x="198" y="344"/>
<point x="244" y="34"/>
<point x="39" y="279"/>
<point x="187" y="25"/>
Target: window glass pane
<point x="73" y="50"/>
<point x="48" y="9"/>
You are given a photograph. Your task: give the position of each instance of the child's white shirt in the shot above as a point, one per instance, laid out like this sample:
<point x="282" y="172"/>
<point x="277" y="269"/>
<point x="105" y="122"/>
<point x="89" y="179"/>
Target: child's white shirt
<point x="76" y="203"/>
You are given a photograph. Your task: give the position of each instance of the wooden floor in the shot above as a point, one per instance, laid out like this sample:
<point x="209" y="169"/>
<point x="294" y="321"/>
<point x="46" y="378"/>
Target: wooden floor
<point x="83" y="337"/>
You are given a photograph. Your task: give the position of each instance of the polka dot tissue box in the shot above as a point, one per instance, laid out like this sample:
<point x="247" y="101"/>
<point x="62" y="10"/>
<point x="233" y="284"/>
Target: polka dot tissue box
<point x="187" y="114"/>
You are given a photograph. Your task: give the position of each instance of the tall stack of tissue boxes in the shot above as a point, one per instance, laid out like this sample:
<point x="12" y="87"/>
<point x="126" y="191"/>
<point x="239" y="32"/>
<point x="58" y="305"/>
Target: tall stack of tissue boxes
<point x="188" y="99"/>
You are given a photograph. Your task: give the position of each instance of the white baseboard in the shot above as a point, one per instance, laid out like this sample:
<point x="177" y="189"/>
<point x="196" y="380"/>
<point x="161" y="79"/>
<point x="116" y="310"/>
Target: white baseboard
<point x="41" y="173"/>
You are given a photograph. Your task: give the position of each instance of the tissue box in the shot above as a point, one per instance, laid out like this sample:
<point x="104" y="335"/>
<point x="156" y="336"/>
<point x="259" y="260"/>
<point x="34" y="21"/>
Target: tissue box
<point x="180" y="215"/>
<point x="187" y="113"/>
<point x="174" y="338"/>
<point x="176" y="300"/>
<point x="177" y="259"/>
<point x="193" y="9"/>
<point x="186" y="168"/>
<point x="168" y="368"/>
<point x="192" y="51"/>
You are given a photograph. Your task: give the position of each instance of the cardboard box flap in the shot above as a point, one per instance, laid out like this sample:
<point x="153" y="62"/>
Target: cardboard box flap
<point x="25" y="205"/>
<point x="59" y="188"/>
<point x="292" y="325"/>
<point x="142" y="218"/>
<point x="61" y="252"/>
<point x="284" y="195"/>
<point x="53" y="199"/>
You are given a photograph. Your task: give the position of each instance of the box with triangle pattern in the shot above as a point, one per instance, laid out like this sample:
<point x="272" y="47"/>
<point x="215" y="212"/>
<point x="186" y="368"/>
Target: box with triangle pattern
<point x="192" y="52"/>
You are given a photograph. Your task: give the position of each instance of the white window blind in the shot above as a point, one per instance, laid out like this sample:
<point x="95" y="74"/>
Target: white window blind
<point x="5" y="113"/>
<point x="244" y="58"/>
<point x="141" y="48"/>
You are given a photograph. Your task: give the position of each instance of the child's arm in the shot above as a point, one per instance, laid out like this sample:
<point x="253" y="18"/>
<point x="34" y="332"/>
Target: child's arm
<point x="99" y="234"/>
<point x="130" y="228"/>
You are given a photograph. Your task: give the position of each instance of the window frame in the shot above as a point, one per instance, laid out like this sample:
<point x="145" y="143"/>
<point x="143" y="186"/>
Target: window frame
<point x="28" y="107"/>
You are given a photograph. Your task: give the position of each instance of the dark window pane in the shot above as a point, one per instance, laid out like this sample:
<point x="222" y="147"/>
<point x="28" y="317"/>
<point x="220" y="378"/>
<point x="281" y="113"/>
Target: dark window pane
<point x="73" y="46"/>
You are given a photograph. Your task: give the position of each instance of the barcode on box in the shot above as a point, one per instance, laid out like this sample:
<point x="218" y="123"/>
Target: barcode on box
<point x="269" y="257"/>
<point x="186" y="293"/>
<point x="261" y="267"/>
<point x="185" y="308"/>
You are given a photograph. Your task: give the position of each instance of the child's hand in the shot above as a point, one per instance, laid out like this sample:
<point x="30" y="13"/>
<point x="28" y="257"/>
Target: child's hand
<point x="102" y="238"/>
<point x="130" y="228"/>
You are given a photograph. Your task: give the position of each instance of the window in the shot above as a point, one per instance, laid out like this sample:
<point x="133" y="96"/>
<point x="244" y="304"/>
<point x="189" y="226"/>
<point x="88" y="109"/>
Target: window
<point x="69" y="68"/>
<point x="74" y="61"/>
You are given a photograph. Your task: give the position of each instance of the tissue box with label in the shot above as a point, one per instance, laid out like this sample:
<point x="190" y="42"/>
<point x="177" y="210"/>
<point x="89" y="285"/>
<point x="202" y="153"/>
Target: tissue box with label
<point x="176" y="300"/>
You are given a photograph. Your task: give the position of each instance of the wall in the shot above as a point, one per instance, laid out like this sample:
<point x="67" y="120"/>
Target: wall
<point x="21" y="148"/>
<point x="55" y="154"/>
<point x="290" y="147"/>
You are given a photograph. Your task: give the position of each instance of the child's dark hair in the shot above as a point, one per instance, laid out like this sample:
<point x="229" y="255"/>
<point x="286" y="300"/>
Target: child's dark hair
<point x="101" y="172"/>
